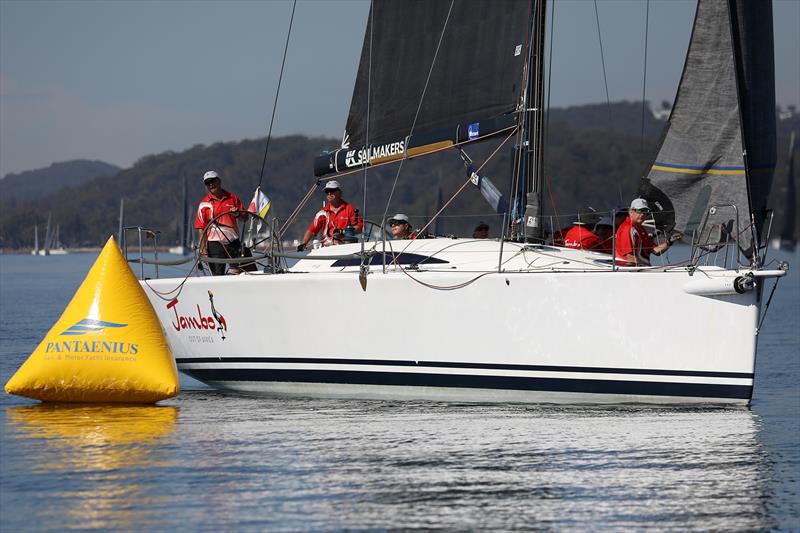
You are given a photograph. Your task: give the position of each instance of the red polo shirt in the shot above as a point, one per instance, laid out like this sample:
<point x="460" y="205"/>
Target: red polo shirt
<point x="634" y="240"/>
<point x="225" y="228"/>
<point x="329" y="219"/>
<point x="581" y="238"/>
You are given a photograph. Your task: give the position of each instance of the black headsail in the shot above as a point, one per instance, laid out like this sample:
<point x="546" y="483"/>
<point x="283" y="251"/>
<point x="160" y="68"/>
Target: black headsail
<point x="474" y="88"/>
<point x="719" y="145"/>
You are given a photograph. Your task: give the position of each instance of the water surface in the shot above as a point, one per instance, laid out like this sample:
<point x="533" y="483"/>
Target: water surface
<point x="207" y="461"/>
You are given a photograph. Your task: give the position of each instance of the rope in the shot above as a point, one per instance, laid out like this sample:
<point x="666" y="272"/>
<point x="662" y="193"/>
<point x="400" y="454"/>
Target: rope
<point x="467" y="182"/>
<point x="419" y="106"/>
<point x="297" y="209"/>
<point x="277" y="92"/>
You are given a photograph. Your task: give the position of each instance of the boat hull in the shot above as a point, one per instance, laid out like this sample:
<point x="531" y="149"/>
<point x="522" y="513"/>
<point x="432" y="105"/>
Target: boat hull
<point x="580" y="336"/>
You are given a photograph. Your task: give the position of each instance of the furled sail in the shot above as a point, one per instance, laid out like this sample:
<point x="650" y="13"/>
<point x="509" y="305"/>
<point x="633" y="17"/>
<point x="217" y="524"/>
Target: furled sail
<point x="719" y="144"/>
<point x="474" y="89"/>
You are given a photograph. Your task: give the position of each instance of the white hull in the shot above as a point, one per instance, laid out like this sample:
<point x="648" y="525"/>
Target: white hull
<point x="555" y="326"/>
<point x="180" y="250"/>
<point x="52" y="251"/>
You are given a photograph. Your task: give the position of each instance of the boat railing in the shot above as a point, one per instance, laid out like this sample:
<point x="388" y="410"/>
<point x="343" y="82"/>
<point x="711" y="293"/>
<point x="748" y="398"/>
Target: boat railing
<point x="723" y="250"/>
<point x="142" y="234"/>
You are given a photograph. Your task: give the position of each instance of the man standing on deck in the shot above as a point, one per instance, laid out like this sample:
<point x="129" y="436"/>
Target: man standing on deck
<point x="634" y="245"/>
<point x="336" y="219"/>
<point x="222" y="235"/>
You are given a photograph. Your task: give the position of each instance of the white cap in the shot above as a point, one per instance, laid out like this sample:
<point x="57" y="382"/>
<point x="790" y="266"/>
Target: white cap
<point x="333" y="184"/>
<point x="399" y="217"/>
<point x="639" y="203"/>
<point x="210" y="175"/>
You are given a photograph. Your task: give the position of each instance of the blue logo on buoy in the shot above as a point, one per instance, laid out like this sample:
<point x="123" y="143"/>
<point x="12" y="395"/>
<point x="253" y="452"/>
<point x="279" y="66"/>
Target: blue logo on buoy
<point x="88" y="325"/>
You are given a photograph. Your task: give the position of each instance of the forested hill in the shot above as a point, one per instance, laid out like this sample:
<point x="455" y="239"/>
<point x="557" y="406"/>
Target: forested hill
<point x="22" y="187"/>
<point x="586" y="164"/>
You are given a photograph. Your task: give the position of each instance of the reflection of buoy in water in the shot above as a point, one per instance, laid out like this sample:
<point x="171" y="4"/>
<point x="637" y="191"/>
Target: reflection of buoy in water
<point x="108" y="345"/>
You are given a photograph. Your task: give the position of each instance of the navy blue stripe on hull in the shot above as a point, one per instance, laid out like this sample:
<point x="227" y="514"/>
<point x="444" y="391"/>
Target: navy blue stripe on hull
<point x="406" y="379"/>
<point x="483" y="366"/>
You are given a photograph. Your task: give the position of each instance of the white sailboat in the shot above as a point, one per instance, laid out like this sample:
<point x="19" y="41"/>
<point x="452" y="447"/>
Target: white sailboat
<point x="512" y="319"/>
<point x="35" y="250"/>
<point x="57" y="248"/>
<point x="52" y="240"/>
<point x="184" y="227"/>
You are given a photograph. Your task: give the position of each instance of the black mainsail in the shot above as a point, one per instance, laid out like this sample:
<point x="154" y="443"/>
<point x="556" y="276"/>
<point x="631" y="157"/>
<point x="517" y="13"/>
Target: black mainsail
<point x="719" y="145"/>
<point x="475" y="87"/>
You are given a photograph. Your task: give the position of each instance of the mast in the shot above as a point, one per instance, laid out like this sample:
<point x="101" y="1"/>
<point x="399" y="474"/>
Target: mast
<point x="533" y="138"/>
<point x="47" y="235"/>
<point x="36" y="239"/>
<point x="120" y="230"/>
<point x="184" y="222"/>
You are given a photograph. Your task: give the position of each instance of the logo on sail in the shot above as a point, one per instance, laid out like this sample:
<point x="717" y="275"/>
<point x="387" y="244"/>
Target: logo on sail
<point x="89" y="325"/>
<point x="370" y="154"/>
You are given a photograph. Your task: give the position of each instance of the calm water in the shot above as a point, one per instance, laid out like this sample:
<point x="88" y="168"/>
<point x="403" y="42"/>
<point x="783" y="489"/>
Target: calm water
<point x="206" y="461"/>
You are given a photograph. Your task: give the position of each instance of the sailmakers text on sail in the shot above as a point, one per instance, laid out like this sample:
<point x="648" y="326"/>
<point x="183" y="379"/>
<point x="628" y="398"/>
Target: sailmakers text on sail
<point x="373" y="154"/>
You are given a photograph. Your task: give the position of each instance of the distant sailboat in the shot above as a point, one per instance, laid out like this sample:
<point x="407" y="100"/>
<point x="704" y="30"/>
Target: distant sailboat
<point x="47" y="237"/>
<point x="786" y="239"/>
<point x="121" y="229"/>
<point x="35" y="250"/>
<point x="52" y="241"/>
<point x="184" y="228"/>
<point x="56" y="247"/>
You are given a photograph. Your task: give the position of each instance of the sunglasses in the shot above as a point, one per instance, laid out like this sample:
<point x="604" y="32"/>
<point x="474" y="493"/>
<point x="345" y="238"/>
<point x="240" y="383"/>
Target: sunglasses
<point x="397" y="223"/>
<point x="641" y="211"/>
<point x="331" y="191"/>
<point x="211" y="182"/>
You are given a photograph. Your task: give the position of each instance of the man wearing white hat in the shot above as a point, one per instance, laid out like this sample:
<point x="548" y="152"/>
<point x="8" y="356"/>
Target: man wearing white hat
<point x="634" y="245"/>
<point x="401" y="227"/>
<point x="221" y="235"/>
<point x="335" y="217"/>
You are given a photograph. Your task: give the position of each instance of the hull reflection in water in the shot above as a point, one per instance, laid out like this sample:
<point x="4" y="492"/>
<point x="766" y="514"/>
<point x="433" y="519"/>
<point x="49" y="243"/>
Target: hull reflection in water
<point x="104" y="449"/>
<point x="250" y="464"/>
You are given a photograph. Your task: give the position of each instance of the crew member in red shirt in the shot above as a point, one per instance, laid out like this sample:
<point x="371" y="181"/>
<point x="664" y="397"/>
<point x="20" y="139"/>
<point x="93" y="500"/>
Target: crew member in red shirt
<point x="580" y="236"/>
<point x="221" y="235"/>
<point x="333" y="219"/>
<point x="634" y="245"/>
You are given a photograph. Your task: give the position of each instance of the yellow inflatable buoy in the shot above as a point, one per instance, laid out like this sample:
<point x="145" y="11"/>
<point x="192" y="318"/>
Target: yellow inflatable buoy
<point x="108" y="345"/>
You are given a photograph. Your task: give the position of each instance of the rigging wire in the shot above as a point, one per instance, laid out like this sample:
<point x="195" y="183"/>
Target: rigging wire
<point x="277" y="92"/>
<point x="419" y="106"/>
<point x="455" y="194"/>
<point x="644" y="74"/>
<point x="603" y="62"/>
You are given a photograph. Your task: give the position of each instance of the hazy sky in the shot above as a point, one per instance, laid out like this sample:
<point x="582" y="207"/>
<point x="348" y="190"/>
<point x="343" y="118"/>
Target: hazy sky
<point x="118" y="80"/>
